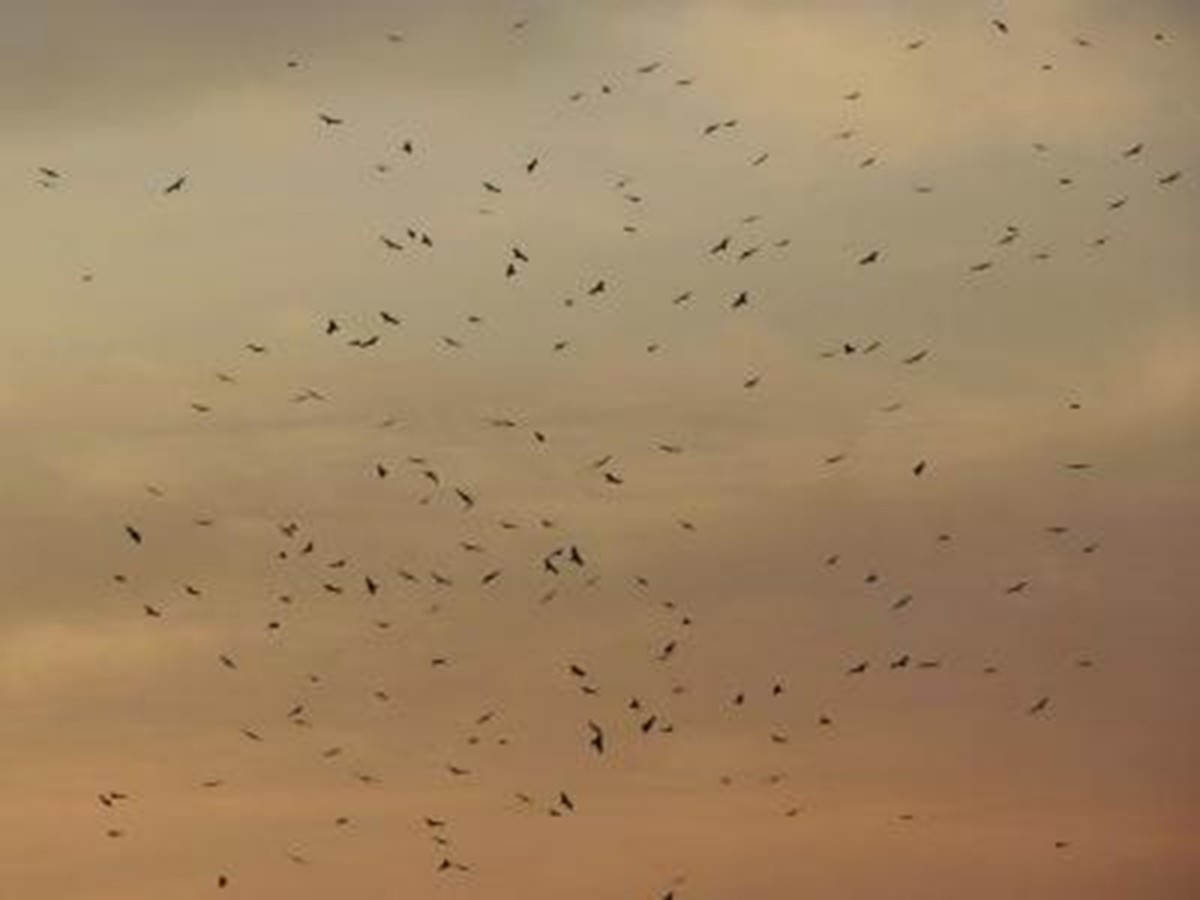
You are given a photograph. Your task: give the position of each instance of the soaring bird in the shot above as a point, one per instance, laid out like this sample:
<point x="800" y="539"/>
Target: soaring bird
<point x="597" y="739"/>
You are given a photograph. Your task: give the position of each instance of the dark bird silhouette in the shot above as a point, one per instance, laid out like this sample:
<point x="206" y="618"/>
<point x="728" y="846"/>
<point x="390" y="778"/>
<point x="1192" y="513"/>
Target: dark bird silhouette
<point x="597" y="739"/>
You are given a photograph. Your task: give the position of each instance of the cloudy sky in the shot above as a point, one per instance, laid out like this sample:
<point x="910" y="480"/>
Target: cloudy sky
<point x="966" y="252"/>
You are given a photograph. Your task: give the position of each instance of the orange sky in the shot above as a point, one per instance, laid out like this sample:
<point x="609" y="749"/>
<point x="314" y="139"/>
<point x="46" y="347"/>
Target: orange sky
<point x="1032" y="306"/>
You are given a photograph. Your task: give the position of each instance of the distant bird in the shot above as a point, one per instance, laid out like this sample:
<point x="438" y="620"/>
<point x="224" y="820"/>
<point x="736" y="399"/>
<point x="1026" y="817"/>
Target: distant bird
<point x="176" y="186"/>
<point x="597" y="739"/>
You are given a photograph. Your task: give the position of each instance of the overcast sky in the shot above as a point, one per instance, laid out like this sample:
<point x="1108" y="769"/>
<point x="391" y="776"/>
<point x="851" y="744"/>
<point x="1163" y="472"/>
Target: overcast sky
<point x="960" y="246"/>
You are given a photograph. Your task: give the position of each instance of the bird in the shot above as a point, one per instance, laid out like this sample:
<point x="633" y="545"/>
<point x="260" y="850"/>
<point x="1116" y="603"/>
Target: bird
<point x="176" y="186"/>
<point x="597" y="737"/>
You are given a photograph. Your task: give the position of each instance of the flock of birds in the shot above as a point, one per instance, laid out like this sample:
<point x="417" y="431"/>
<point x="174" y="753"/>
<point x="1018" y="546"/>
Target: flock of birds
<point x="319" y="571"/>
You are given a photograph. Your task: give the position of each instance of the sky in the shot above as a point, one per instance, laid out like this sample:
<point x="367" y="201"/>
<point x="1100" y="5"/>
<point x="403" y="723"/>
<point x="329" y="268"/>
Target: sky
<point x="948" y="431"/>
